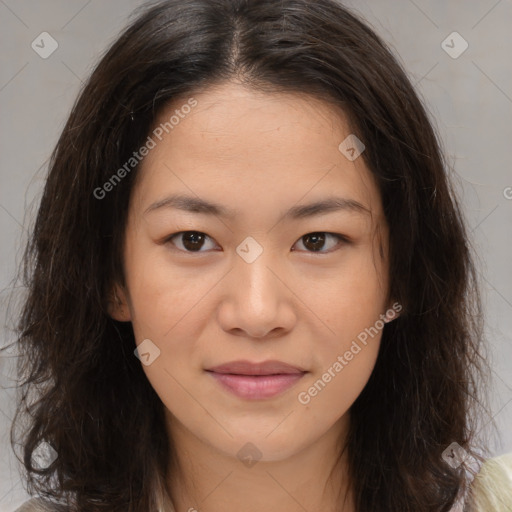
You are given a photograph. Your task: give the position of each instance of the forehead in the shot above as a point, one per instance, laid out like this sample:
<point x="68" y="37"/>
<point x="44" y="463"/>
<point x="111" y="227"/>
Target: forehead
<point x="253" y="149"/>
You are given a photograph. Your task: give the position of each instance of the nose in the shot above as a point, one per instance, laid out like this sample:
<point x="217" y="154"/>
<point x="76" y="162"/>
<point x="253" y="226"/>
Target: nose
<point x="257" y="302"/>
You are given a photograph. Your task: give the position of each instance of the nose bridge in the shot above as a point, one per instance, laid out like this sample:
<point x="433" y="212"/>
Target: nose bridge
<point x="256" y="302"/>
<point x="254" y="278"/>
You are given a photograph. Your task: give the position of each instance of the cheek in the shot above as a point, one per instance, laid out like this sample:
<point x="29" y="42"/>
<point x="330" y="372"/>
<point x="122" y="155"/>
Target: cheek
<point x="351" y="301"/>
<point x="168" y="308"/>
<point x="163" y="296"/>
<point x="331" y="393"/>
<point x="352" y="306"/>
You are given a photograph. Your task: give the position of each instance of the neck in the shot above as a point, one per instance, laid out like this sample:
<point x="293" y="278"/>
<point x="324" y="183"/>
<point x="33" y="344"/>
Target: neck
<point x="205" y="479"/>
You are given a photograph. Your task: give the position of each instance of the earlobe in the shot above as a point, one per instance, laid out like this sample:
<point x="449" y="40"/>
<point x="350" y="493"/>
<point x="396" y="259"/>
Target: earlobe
<point x="118" y="305"/>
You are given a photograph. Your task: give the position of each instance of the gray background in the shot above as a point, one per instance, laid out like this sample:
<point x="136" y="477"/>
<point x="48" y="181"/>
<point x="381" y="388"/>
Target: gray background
<point x="469" y="98"/>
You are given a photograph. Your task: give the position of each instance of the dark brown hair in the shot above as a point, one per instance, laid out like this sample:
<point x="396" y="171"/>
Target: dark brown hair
<point x="84" y="391"/>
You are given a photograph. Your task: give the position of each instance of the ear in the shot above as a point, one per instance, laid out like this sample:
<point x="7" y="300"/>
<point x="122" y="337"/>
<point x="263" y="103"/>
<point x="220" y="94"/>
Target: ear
<point x="392" y="312"/>
<point x="117" y="306"/>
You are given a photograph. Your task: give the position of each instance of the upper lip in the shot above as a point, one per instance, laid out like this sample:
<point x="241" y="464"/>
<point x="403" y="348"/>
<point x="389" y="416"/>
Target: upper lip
<point x="253" y="368"/>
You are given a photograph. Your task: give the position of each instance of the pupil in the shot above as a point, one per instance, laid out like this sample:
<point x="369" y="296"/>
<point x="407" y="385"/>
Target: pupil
<point x="317" y="239"/>
<point x="191" y="240"/>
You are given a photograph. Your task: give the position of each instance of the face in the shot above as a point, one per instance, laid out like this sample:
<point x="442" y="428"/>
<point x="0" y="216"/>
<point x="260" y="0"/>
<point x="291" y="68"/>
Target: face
<point x="255" y="275"/>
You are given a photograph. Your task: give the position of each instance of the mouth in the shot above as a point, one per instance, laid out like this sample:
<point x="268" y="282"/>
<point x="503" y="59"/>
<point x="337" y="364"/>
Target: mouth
<point x="256" y="381"/>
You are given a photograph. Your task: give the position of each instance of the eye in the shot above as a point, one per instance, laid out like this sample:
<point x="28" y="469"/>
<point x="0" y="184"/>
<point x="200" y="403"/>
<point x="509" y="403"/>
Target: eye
<point x="189" y="241"/>
<point x="194" y="241"/>
<point x="315" y="242"/>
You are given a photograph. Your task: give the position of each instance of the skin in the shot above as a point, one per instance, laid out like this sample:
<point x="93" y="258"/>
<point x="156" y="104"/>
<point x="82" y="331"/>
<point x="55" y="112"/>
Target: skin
<point x="260" y="154"/>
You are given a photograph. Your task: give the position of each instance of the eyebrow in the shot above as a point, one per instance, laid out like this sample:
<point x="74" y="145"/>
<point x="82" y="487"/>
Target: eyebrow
<point x="198" y="205"/>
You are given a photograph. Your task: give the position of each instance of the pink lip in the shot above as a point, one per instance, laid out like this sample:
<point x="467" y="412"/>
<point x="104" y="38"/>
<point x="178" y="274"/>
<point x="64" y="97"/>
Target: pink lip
<point x="263" y="368"/>
<point x="256" y="387"/>
<point x="256" y="381"/>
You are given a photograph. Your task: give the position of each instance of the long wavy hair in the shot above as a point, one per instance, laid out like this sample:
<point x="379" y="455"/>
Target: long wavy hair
<point x="81" y="389"/>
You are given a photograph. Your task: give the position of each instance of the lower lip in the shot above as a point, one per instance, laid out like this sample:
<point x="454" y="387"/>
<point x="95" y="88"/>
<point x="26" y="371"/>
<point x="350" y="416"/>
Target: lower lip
<point x="257" y="387"/>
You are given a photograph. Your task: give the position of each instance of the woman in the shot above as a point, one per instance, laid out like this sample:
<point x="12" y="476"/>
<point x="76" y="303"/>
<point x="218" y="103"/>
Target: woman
<point x="250" y="281"/>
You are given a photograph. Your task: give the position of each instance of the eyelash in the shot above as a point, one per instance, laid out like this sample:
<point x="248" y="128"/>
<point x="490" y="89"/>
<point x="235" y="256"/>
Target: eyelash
<point x="342" y="240"/>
